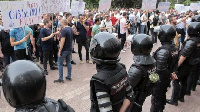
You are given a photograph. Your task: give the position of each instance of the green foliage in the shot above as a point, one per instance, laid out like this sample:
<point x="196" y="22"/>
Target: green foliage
<point x="187" y="2"/>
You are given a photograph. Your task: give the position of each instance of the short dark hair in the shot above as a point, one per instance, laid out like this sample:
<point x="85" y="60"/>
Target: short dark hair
<point x="124" y="14"/>
<point x="52" y="16"/>
<point x="97" y="20"/>
<point x="45" y="21"/>
<point x="67" y="15"/>
<point x="90" y="14"/>
<point x="171" y="18"/>
<point x="80" y="16"/>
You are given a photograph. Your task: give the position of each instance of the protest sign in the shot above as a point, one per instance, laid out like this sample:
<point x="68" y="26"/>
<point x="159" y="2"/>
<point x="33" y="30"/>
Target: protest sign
<point x="179" y="7"/>
<point x="20" y="13"/>
<point x="186" y="8"/>
<point x="104" y="5"/>
<point x="55" y="6"/>
<point x="163" y="6"/>
<point x="82" y="8"/>
<point x="149" y="4"/>
<point x="75" y="8"/>
<point x="194" y="6"/>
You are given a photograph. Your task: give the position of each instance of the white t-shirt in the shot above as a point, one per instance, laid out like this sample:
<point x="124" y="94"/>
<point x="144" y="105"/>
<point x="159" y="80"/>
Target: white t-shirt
<point x="105" y="23"/>
<point x="143" y="17"/>
<point x="122" y="24"/>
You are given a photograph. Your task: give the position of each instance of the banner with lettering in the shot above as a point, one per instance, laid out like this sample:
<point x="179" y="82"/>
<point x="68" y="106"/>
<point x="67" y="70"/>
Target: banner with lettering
<point x="194" y="6"/>
<point x="20" y="13"/>
<point x="104" y="5"/>
<point x="75" y="8"/>
<point x="55" y="6"/>
<point x="149" y="4"/>
<point x="163" y="6"/>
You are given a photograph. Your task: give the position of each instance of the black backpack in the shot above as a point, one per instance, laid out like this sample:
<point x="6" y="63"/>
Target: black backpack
<point x="155" y="20"/>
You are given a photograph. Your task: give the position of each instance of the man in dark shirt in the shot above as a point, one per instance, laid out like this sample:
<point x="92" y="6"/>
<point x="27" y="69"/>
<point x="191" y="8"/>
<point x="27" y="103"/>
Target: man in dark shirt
<point x="46" y="36"/>
<point x="6" y="51"/>
<point x="69" y="21"/>
<point x="82" y="28"/>
<point x="65" y="50"/>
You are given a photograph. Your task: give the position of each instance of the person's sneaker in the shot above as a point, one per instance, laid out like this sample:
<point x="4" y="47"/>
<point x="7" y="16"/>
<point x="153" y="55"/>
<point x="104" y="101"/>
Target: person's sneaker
<point x="45" y="72"/>
<point x="58" y="81"/>
<point x="41" y="62"/>
<point x="72" y="62"/>
<point x="55" y="64"/>
<point x="67" y="78"/>
<point x="123" y="51"/>
<point x="90" y="62"/>
<point x="81" y="62"/>
<point x="128" y="47"/>
<point x="54" y="68"/>
<point x="172" y="102"/>
<point x="154" y="43"/>
<point x="73" y="51"/>
<point x="198" y="82"/>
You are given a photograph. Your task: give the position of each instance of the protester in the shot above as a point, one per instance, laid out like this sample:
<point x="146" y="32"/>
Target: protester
<point x="81" y="39"/>
<point x="123" y="30"/>
<point x="6" y="51"/>
<point x="65" y="50"/>
<point x="47" y="36"/>
<point x="106" y="24"/>
<point x="96" y="28"/>
<point x="90" y="24"/>
<point x="144" y="20"/>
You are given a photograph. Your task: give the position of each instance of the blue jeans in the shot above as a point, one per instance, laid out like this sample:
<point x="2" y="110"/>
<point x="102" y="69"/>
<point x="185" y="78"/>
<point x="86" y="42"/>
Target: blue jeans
<point x="7" y="59"/>
<point x="133" y="29"/>
<point x="144" y="29"/>
<point x="67" y="56"/>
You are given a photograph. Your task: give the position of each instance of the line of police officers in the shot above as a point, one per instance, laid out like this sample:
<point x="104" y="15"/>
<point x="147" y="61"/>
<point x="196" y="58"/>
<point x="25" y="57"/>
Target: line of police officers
<point x="112" y="88"/>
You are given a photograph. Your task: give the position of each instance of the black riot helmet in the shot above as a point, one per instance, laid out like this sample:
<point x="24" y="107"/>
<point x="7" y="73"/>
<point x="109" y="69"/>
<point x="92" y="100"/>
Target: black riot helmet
<point x="166" y="33"/>
<point x="194" y="29"/>
<point x="23" y="84"/>
<point x="196" y="18"/>
<point x="105" y="48"/>
<point x="141" y="47"/>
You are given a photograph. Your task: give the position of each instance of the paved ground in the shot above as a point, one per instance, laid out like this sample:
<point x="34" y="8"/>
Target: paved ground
<point x="76" y="92"/>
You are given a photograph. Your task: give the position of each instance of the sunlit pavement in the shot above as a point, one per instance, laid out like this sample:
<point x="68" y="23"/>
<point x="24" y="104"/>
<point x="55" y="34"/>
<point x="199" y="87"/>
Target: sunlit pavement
<point x="76" y="92"/>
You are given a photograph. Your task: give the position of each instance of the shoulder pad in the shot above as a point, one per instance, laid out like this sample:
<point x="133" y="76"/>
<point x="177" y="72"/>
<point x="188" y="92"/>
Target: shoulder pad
<point x="188" y="48"/>
<point x="162" y="54"/>
<point x="134" y="75"/>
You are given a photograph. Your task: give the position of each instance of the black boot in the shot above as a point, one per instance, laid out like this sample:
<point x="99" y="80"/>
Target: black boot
<point x="169" y="101"/>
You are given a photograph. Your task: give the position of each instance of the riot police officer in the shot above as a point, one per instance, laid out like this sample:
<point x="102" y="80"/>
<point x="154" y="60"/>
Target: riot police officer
<point x="140" y="74"/>
<point x="194" y="74"/>
<point x="166" y="58"/>
<point x="189" y="58"/>
<point x="110" y="90"/>
<point x="24" y="87"/>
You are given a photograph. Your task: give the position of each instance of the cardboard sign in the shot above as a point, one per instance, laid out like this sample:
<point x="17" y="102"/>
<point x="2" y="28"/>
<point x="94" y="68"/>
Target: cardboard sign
<point x="75" y="8"/>
<point x="195" y="6"/>
<point x="55" y="6"/>
<point x="179" y="7"/>
<point x="20" y="13"/>
<point x="104" y="5"/>
<point x="82" y="8"/>
<point x="163" y="6"/>
<point x="149" y="4"/>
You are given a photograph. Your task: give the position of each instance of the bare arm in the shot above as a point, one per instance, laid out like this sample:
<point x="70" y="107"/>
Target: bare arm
<point x="86" y="27"/>
<point x="62" y="41"/>
<point x="47" y="38"/>
<point x="125" y="105"/>
<point x="32" y="42"/>
<point x="181" y="60"/>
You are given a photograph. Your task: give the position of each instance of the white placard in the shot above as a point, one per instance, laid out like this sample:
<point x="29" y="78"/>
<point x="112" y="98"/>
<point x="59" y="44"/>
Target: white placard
<point x="149" y="4"/>
<point x="104" y="5"/>
<point x="82" y="8"/>
<point x="55" y="6"/>
<point x="163" y="6"/>
<point x="179" y="7"/>
<point x="194" y="6"/>
<point x="20" y="13"/>
<point x="186" y="8"/>
<point x="75" y="8"/>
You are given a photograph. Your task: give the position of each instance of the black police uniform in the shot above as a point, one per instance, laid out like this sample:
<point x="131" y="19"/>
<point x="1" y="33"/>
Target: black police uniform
<point x="109" y="87"/>
<point x="24" y="87"/>
<point x="139" y="72"/>
<point x="166" y="63"/>
<point x="190" y="50"/>
<point x="195" y="71"/>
